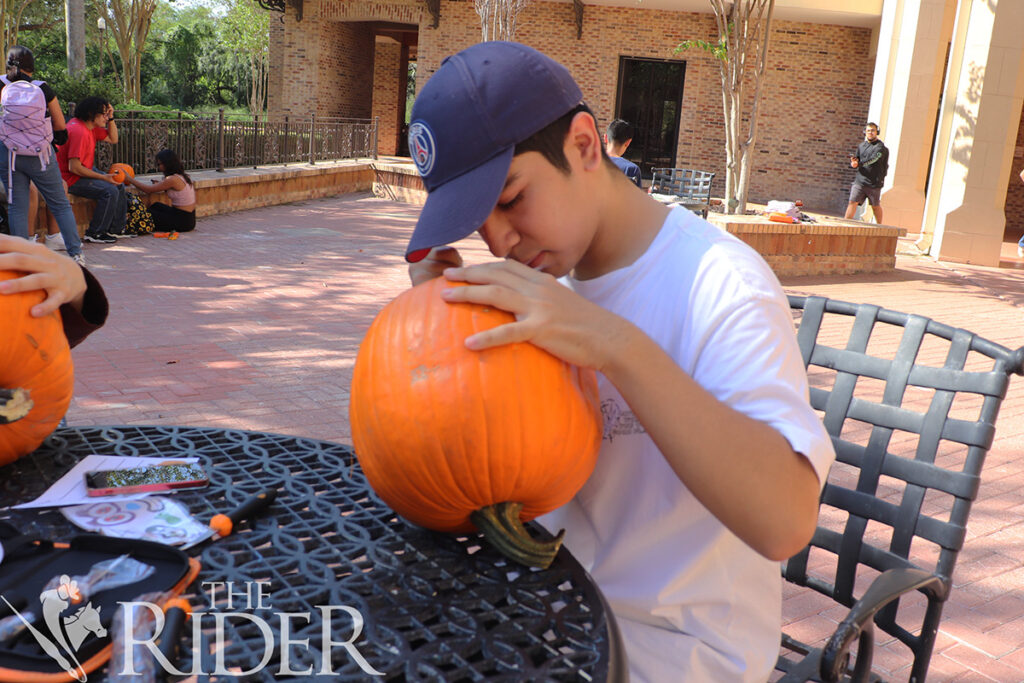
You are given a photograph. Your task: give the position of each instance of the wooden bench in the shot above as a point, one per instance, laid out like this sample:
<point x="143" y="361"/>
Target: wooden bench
<point x="911" y="407"/>
<point x="685" y="186"/>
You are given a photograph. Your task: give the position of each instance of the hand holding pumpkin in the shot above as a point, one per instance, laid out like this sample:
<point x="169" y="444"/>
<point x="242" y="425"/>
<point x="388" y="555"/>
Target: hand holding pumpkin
<point x="43" y="269"/>
<point x="433" y="264"/>
<point x="548" y="314"/>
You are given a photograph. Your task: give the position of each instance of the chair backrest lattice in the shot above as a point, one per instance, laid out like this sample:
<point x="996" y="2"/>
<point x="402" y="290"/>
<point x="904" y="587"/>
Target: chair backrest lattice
<point x="911" y="406"/>
<point x="687" y="183"/>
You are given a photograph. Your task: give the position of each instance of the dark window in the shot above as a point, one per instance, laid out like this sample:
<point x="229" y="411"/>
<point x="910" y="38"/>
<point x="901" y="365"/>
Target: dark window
<point x="650" y="95"/>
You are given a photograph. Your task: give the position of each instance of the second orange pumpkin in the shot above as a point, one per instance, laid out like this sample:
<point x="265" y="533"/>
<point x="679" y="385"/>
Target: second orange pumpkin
<point x="35" y="372"/>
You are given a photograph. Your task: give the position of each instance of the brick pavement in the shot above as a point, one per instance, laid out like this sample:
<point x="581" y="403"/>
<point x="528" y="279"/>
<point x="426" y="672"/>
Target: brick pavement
<point x="253" y="322"/>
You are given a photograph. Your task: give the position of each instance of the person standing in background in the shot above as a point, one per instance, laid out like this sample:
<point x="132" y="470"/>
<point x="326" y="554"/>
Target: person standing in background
<point x="872" y="163"/>
<point x="18" y="170"/>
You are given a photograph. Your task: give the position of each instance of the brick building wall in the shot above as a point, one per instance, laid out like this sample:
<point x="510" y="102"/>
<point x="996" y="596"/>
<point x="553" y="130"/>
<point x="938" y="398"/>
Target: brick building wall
<point x="320" y="67"/>
<point x="346" y="65"/>
<point x="817" y="85"/>
<point x="816" y="92"/>
<point x="386" y="88"/>
<point x="1015" y="188"/>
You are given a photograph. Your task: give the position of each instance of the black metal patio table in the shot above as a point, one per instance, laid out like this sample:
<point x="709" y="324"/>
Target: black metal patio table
<point x="434" y="607"/>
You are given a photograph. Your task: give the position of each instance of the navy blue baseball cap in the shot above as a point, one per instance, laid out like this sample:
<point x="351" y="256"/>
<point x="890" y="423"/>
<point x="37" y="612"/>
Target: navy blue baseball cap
<point x="464" y="128"/>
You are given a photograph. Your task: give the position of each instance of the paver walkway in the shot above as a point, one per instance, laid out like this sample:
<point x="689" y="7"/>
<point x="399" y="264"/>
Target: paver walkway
<point x="253" y="322"/>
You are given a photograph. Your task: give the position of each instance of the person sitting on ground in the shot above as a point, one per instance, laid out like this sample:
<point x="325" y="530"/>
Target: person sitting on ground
<point x="180" y="216"/>
<point x="616" y="140"/>
<point x="712" y="460"/>
<point x="94" y="122"/>
<point x="69" y="286"/>
<point x="18" y="170"/>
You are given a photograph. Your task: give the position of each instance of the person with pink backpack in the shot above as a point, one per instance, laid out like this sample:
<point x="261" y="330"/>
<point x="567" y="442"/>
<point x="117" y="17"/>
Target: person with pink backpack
<point x="30" y="121"/>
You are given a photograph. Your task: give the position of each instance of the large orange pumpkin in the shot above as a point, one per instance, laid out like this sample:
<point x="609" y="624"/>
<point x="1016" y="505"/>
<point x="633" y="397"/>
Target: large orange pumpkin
<point x="36" y="375"/>
<point x="454" y="439"/>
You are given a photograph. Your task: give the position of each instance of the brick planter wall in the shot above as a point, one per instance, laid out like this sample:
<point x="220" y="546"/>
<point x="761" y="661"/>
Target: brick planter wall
<point x="823" y="248"/>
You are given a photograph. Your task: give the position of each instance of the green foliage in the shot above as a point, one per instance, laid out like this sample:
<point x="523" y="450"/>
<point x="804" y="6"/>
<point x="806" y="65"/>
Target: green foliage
<point x="75" y="89"/>
<point x="195" y="58"/>
<point x="719" y="50"/>
<point x="245" y="27"/>
<point x="196" y="68"/>
<point x="156" y="111"/>
<point x="245" y="32"/>
<point x="410" y="91"/>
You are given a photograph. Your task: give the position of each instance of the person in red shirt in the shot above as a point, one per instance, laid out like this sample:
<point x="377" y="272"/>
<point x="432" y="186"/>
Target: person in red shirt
<point x="94" y="122"/>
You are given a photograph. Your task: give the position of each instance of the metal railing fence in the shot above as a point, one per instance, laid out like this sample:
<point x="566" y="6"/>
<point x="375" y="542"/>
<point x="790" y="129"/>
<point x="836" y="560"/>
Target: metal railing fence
<point x="218" y="140"/>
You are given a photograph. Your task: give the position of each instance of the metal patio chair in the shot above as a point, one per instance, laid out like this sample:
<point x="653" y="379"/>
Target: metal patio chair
<point x="911" y="429"/>
<point x="687" y="186"/>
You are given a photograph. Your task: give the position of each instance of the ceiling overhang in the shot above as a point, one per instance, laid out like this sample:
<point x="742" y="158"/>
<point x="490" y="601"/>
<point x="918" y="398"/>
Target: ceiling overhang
<point x="862" y="13"/>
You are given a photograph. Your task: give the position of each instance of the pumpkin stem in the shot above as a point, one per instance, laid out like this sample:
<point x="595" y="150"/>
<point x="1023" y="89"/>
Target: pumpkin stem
<point x="502" y="528"/>
<point x="14" y="405"/>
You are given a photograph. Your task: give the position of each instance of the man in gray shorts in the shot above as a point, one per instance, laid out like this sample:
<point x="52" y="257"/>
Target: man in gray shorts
<point x="872" y="163"/>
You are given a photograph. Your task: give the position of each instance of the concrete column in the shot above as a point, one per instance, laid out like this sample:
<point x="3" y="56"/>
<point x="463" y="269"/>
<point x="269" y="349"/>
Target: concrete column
<point x="913" y="37"/>
<point x="980" y="113"/>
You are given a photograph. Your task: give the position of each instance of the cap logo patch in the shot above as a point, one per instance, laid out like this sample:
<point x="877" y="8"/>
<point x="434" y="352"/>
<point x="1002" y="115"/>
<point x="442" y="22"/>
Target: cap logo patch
<point x="422" y="147"/>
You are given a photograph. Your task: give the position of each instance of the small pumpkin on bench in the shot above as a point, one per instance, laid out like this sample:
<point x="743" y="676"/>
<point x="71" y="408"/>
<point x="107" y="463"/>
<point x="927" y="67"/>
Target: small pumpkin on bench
<point x="36" y="373"/>
<point x="456" y="440"/>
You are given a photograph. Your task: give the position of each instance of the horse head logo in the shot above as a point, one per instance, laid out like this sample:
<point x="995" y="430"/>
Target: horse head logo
<point x="67" y="632"/>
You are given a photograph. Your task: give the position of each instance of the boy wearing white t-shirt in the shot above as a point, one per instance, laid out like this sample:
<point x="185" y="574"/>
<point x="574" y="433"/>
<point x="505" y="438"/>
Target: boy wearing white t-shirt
<point x="712" y="460"/>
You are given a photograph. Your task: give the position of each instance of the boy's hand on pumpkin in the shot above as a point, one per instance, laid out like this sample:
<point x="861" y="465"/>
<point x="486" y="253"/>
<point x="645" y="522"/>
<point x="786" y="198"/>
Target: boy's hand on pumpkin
<point x="548" y="314"/>
<point x="60" y="277"/>
<point x="434" y="264"/>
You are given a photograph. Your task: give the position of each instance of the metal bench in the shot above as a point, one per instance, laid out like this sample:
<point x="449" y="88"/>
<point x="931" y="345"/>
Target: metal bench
<point x="911" y="429"/>
<point x="685" y="186"/>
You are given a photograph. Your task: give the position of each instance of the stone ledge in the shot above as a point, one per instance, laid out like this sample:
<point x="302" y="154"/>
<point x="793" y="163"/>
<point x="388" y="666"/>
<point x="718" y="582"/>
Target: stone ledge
<point x="396" y="178"/>
<point x="248" y="188"/>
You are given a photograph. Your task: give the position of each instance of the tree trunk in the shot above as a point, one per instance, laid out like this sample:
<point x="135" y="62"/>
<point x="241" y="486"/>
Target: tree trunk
<point x="744" y="28"/>
<point x="74" y="24"/>
<point x="498" y="18"/>
<point x="10" y="16"/>
<point x="130" y="26"/>
<point x="259" y="74"/>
